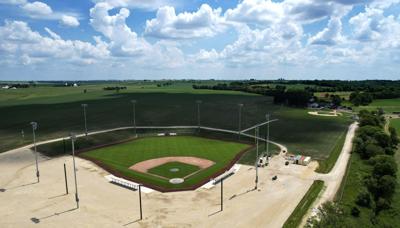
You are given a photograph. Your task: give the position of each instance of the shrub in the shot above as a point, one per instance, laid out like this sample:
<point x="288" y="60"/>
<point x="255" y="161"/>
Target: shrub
<point x="364" y="199"/>
<point x="355" y="211"/>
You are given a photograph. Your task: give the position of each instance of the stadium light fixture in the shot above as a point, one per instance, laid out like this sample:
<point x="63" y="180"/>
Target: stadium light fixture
<point x="84" y="106"/>
<point x="34" y="128"/>
<point x="134" y="115"/>
<point x="73" y="138"/>
<point x="240" y="119"/>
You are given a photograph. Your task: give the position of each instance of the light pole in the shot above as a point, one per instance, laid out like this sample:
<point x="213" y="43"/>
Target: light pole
<point x="134" y="115"/>
<point x="267" y="141"/>
<point x="140" y="201"/>
<point x="222" y="195"/>
<point x="240" y="119"/>
<point x="84" y="106"/>
<point x="198" y="113"/>
<point x="256" y="134"/>
<point x="34" y="128"/>
<point x="73" y="138"/>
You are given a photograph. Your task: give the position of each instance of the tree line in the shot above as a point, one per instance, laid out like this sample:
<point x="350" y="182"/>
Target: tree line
<point x="363" y="91"/>
<point x="376" y="149"/>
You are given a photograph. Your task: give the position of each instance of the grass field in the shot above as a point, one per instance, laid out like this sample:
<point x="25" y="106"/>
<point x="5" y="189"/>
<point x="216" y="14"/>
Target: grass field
<point x="396" y="124"/>
<point x="120" y="157"/>
<point x="388" y="105"/>
<point x="58" y="112"/>
<point x="297" y="215"/>
<point x="354" y="181"/>
<point x="165" y="170"/>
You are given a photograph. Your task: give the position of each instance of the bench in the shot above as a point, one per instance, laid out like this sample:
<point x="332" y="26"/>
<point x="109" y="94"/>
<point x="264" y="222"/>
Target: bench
<point x="122" y="182"/>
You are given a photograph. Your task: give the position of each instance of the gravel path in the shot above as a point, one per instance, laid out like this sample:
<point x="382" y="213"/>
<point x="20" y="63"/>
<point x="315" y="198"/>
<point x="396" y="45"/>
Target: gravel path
<point x="333" y="179"/>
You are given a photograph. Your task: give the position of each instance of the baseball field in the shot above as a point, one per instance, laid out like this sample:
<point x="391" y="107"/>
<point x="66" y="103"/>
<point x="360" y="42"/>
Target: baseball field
<point x="154" y="161"/>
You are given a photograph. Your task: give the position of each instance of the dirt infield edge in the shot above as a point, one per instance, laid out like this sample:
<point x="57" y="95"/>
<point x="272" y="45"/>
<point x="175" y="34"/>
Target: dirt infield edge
<point x="153" y="186"/>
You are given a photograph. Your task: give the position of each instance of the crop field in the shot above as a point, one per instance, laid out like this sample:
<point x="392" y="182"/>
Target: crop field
<point x="58" y="111"/>
<point x="119" y="158"/>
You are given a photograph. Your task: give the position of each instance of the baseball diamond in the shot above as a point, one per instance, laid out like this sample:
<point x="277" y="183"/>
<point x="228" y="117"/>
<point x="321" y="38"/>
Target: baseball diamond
<point x="148" y="160"/>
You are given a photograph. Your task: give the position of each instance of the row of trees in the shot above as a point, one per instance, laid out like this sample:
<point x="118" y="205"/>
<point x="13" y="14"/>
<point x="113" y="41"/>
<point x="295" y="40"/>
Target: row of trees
<point x="357" y="98"/>
<point x="291" y="97"/>
<point x="376" y="148"/>
<point x="116" y="88"/>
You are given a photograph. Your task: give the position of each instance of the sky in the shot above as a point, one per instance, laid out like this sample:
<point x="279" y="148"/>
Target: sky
<point x="192" y="39"/>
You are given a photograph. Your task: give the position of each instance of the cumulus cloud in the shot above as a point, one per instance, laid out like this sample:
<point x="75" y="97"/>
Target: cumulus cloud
<point x="37" y="8"/>
<point x="331" y="35"/>
<point x="138" y="4"/>
<point x="123" y="41"/>
<point x="205" y="22"/>
<point x="269" y="33"/>
<point x="254" y="47"/>
<point x="20" y="42"/>
<point x="41" y="11"/>
<point x="383" y="4"/>
<point x="256" y="12"/>
<point x="69" y="21"/>
<point x="12" y="2"/>
<point x="374" y="28"/>
<point x="263" y="13"/>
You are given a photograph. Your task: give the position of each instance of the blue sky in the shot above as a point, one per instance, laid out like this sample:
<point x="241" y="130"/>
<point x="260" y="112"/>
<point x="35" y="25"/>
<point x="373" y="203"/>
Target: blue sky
<point x="221" y="39"/>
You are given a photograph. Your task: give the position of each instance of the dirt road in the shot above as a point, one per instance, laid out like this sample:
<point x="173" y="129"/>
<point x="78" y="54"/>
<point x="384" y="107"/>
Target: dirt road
<point x="333" y="179"/>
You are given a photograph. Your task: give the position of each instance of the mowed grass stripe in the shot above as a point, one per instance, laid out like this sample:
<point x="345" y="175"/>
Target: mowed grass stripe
<point x="122" y="156"/>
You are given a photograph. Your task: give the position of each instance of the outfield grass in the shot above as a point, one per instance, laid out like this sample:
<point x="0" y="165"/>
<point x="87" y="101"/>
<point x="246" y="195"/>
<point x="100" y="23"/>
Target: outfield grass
<point x="182" y="170"/>
<point x="58" y="112"/>
<point x="325" y="166"/>
<point x="301" y="209"/>
<point x="120" y="157"/>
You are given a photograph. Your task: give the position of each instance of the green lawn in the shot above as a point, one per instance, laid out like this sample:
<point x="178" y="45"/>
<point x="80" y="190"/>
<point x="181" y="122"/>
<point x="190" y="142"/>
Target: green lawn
<point x="388" y="105"/>
<point x="58" y="112"/>
<point x="301" y="209"/>
<point x="396" y="124"/>
<point x="166" y="170"/>
<point x="120" y="157"/>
